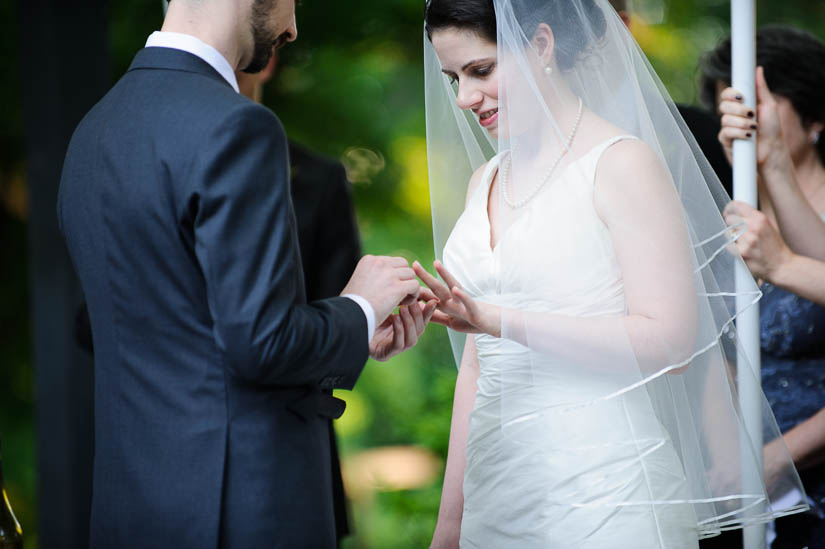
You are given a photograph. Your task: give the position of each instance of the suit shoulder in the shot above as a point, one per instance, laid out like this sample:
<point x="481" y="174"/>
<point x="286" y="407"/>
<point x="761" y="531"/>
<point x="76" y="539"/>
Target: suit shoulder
<point x="251" y="119"/>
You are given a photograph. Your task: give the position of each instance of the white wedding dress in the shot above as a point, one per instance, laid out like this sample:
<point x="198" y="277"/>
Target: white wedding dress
<point x="592" y="477"/>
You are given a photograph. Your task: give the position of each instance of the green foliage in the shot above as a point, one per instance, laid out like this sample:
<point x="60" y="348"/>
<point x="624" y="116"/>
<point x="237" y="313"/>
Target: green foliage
<point x="351" y="87"/>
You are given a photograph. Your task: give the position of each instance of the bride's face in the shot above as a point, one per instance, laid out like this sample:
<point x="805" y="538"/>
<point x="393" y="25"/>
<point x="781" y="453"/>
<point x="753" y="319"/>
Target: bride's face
<point x="470" y="62"/>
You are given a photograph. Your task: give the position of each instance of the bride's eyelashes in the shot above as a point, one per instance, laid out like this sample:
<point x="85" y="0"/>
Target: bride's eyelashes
<point x="481" y="71"/>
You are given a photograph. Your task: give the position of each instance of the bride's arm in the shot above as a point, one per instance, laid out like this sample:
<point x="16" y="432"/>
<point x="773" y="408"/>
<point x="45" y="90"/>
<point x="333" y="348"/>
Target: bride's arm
<point x="637" y="202"/>
<point x="452" y="497"/>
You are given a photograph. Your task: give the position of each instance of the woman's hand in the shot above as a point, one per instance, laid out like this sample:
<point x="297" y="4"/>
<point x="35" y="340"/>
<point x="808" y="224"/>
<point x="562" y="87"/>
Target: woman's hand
<point x="775" y="461"/>
<point x="760" y="245"/>
<point x="456" y="309"/>
<point x="740" y="122"/>
<point x="400" y="331"/>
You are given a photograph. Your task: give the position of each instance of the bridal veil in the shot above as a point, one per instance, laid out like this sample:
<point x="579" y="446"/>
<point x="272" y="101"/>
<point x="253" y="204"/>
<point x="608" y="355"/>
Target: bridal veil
<point x="685" y="376"/>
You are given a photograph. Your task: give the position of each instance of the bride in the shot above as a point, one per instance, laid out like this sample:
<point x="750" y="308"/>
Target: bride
<point x="596" y="403"/>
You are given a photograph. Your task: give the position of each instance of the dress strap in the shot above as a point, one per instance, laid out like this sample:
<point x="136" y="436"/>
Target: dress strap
<point x="599" y="149"/>
<point x="492" y="166"/>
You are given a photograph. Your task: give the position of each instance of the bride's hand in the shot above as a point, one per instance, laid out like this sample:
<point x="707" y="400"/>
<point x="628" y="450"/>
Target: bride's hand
<point x="400" y="331"/>
<point x="456" y="309"/>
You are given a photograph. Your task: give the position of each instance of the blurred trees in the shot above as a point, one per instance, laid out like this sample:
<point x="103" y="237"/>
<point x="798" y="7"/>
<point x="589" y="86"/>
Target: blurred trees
<point x="350" y="87"/>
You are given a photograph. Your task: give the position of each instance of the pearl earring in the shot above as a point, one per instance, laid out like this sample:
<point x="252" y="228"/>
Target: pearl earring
<point x="548" y="70"/>
<point x="815" y="138"/>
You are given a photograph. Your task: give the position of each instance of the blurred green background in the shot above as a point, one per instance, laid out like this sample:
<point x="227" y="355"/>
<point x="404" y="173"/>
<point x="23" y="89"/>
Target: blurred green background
<point x="350" y="87"/>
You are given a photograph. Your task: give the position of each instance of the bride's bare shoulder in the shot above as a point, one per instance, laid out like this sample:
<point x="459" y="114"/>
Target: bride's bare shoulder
<point x="631" y="175"/>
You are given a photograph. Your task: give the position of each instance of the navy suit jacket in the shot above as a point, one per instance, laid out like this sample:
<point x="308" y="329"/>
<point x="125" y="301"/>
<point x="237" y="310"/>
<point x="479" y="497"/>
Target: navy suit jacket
<point x="210" y="367"/>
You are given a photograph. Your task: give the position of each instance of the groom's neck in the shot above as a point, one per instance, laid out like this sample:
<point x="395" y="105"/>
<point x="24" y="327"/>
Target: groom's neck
<point x="219" y="23"/>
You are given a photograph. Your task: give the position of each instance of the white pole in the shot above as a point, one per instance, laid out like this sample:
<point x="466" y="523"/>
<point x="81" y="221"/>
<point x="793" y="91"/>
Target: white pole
<point x="743" y="58"/>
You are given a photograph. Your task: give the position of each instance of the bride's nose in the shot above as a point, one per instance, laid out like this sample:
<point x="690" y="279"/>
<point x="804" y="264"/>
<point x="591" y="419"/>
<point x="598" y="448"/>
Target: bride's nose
<point x="468" y="96"/>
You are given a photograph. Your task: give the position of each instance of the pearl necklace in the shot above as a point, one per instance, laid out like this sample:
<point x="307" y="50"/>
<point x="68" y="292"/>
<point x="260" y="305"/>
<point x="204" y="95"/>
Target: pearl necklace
<point x="505" y="168"/>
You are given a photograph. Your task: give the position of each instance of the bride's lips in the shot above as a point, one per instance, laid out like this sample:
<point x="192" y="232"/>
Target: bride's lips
<point x="487" y="118"/>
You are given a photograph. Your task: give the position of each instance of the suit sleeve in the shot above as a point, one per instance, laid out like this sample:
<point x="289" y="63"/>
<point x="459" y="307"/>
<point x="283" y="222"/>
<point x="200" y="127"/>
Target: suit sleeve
<point x="245" y="242"/>
<point x="338" y="246"/>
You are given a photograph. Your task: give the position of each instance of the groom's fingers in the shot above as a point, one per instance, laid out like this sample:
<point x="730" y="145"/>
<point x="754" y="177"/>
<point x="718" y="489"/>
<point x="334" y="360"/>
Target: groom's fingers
<point x="397" y="334"/>
<point x="395" y="261"/>
<point x="405" y="273"/>
<point x="410" y="288"/>
<point x="428" y="310"/>
<point x="416" y="312"/>
<point x="410" y="328"/>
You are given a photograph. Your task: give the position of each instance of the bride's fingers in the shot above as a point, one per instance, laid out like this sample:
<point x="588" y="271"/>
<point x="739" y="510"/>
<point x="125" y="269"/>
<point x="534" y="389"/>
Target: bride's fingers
<point x="442" y="318"/>
<point x="467" y="301"/>
<point x="446" y="275"/>
<point x="441" y="291"/>
<point x="453" y="308"/>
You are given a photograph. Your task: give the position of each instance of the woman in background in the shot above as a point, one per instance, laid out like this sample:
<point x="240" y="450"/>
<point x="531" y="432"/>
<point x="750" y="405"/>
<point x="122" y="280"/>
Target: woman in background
<point x="787" y="123"/>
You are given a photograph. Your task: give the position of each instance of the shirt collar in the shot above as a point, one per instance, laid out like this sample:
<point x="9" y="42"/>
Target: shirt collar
<point x="197" y="47"/>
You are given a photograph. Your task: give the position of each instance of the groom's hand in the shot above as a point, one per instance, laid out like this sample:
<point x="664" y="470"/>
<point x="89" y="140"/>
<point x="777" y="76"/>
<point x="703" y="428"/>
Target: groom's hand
<point x="401" y="331"/>
<point x="385" y="282"/>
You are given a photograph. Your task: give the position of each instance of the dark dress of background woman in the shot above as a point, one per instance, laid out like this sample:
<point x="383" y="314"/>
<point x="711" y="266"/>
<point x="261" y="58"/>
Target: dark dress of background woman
<point x="792" y="332"/>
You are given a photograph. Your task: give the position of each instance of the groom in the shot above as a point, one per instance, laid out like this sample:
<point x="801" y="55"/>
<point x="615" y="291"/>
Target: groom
<point x="212" y="374"/>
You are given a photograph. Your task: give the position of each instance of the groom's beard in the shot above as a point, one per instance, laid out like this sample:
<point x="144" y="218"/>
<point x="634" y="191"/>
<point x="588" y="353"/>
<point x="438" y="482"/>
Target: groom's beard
<point x="263" y="37"/>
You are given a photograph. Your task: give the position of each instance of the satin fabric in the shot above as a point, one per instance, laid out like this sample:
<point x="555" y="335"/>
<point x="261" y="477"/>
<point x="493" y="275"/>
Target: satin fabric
<point x="561" y="482"/>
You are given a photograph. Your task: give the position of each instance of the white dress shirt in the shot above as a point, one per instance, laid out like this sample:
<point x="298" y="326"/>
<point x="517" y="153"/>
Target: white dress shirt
<point x="217" y="61"/>
<point x="196" y="47"/>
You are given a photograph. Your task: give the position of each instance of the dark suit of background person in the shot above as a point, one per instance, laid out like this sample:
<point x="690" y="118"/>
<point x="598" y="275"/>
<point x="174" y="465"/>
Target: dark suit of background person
<point x="330" y="249"/>
<point x="209" y="364"/>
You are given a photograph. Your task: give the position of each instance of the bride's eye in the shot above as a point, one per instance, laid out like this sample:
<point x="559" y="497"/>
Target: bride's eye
<point x="484" y="71"/>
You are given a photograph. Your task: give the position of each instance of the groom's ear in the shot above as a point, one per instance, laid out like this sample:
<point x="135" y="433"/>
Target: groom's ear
<point x="544" y="43"/>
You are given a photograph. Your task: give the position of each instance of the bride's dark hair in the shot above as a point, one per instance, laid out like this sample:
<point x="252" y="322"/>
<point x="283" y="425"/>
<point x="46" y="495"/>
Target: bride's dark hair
<point x="477" y="16"/>
<point x="562" y="16"/>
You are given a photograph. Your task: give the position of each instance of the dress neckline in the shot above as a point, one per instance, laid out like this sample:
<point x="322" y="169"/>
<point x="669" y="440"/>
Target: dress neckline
<point x="493" y="168"/>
